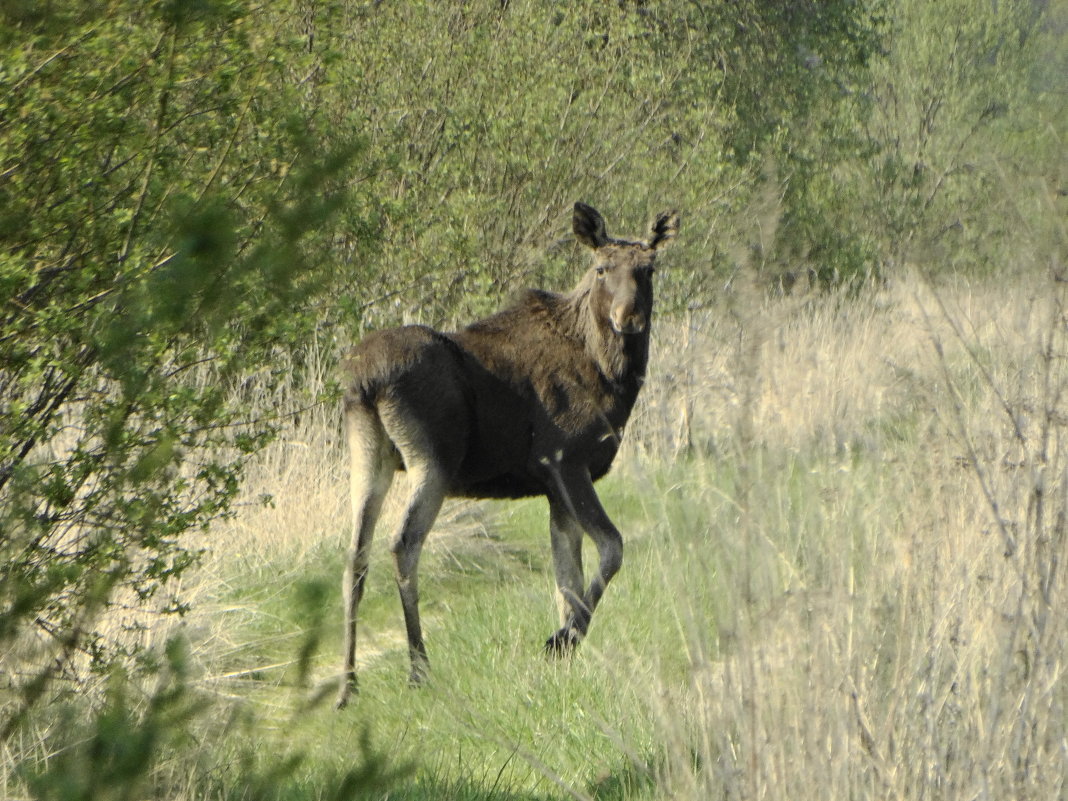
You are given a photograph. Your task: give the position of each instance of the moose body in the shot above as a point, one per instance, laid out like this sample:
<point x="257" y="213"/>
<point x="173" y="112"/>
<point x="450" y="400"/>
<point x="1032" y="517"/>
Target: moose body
<point x="530" y="401"/>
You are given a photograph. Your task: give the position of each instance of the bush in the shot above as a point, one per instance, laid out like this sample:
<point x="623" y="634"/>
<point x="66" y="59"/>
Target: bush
<point x="164" y="207"/>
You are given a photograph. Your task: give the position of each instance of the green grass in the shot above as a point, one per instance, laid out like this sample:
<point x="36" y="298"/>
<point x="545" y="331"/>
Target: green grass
<point x="496" y="717"/>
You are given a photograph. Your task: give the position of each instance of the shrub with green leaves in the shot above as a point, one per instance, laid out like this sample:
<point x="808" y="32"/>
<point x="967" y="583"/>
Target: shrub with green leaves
<point x="164" y="199"/>
<point x="497" y="117"/>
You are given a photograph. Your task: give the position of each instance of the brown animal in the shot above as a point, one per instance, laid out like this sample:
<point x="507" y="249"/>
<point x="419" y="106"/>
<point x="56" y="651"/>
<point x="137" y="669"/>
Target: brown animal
<point x="530" y="401"/>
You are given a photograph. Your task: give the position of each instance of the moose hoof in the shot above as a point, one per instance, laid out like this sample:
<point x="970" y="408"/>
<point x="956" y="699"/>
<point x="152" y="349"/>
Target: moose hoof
<point x="562" y="643"/>
<point x="345" y="693"/>
<point x="418" y="675"/>
<point x="343" y="697"/>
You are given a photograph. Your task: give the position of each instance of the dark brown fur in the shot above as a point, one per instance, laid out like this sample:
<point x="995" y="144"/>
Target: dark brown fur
<point x="529" y="401"/>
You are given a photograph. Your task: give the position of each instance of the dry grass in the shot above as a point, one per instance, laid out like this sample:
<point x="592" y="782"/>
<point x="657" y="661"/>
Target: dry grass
<point x="803" y="371"/>
<point x="929" y="660"/>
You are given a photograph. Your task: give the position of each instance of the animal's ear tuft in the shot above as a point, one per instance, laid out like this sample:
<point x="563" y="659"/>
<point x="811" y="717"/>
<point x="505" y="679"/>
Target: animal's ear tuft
<point x="665" y="226"/>
<point x="589" y="226"/>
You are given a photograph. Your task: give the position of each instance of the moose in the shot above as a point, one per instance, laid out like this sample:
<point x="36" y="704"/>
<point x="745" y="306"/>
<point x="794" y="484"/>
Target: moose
<point x="529" y="401"/>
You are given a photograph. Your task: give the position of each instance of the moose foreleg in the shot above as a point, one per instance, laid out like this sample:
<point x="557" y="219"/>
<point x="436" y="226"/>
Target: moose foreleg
<point x="566" y="537"/>
<point x="576" y="505"/>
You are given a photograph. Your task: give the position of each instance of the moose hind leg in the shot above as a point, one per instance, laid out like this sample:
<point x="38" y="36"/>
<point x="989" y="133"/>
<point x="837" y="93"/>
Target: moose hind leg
<point x="425" y="496"/>
<point x="372" y="465"/>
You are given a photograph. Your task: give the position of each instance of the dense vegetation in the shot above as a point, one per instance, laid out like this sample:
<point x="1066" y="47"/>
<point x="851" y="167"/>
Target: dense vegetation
<point x="198" y="199"/>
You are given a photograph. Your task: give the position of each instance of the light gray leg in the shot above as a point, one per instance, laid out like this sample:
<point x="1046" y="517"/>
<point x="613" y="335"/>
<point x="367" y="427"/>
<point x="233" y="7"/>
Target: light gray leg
<point x="426" y="493"/>
<point x="371" y="473"/>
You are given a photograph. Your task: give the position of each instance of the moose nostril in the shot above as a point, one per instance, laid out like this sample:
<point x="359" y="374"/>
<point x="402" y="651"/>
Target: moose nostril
<point x="625" y="323"/>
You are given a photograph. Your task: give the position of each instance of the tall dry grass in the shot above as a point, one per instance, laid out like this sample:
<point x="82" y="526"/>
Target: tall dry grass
<point x="928" y="659"/>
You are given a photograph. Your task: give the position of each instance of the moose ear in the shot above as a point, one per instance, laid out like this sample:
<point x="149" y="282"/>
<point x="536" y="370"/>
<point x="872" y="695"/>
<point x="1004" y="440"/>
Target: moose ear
<point x="665" y="226"/>
<point x="589" y="226"/>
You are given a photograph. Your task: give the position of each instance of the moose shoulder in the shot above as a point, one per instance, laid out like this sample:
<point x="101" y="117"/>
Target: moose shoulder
<point x="529" y="401"/>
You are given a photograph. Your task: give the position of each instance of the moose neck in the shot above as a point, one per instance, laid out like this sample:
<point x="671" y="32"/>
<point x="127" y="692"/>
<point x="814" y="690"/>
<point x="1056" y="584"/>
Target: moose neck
<point x="621" y="358"/>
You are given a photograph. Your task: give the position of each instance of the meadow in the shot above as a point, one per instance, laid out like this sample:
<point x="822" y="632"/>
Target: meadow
<point x="844" y="518"/>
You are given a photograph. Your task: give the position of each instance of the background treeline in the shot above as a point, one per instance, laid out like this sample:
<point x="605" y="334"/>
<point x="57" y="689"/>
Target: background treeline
<point x="196" y="195"/>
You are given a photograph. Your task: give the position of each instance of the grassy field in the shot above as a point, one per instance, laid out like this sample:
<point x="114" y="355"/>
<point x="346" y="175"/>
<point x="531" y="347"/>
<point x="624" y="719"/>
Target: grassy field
<point x="844" y="520"/>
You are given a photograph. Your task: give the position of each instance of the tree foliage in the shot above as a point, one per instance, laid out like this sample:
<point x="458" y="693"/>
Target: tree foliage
<point x="163" y="204"/>
<point x="498" y="116"/>
<point x="958" y="117"/>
